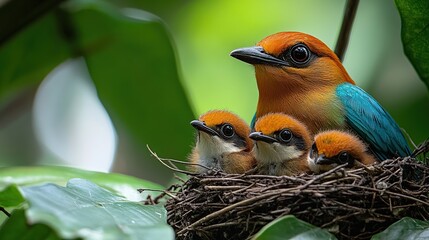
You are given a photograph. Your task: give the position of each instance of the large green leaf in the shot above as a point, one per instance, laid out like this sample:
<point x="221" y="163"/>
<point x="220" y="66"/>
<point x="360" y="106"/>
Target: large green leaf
<point x="405" y="229"/>
<point x="289" y="227"/>
<point x="124" y="185"/>
<point x="16" y="227"/>
<point x="132" y="63"/>
<point x="415" y="34"/>
<point x="29" y="56"/>
<point x="83" y="209"/>
<point x="16" y="14"/>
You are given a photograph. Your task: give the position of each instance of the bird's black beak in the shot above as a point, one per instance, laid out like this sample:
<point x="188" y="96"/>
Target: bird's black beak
<point x="258" y="136"/>
<point x="201" y="126"/>
<point x="323" y="160"/>
<point x="257" y="55"/>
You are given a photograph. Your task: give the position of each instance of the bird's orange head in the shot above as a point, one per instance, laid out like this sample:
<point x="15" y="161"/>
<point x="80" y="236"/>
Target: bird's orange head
<point x="293" y="60"/>
<point x="332" y="143"/>
<point x="282" y="127"/>
<point x="280" y="137"/>
<point x="226" y="125"/>
<point x="336" y="147"/>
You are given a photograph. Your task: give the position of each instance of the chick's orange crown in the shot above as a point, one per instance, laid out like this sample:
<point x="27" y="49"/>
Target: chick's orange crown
<point x="331" y="143"/>
<point x="218" y="117"/>
<point x="274" y="122"/>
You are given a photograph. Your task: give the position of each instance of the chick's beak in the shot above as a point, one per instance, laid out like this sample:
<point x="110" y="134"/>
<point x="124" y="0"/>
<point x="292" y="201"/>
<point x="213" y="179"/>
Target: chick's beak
<point x="257" y="55"/>
<point x="201" y="126"/>
<point x="323" y="160"/>
<point x="258" y="136"/>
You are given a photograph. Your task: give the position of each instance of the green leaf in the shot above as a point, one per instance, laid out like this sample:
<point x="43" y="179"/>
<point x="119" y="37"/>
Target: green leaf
<point x="133" y="65"/>
<point x="415" y="34"/>
<point x="406" y="228"/>
<point x="10" y="196"/>
<point x="15" y="14"/>
<point x="29" y="56"/>
<point x="83" y="209"/>
<point x="124" y="185"/>
<point x="289" y="227"/>
<point x="16" y="227"/>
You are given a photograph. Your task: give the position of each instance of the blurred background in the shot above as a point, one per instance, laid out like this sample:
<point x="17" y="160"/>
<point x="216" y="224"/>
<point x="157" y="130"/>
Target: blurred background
<point x="89" y="84"/>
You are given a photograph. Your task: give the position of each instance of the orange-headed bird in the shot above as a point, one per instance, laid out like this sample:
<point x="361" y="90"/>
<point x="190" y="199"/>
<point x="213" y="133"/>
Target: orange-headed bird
<point x="333" y="148"/>
<point x="281" y="145"/>
<point x="299" y="75"/>
<point x="222" y="143"/>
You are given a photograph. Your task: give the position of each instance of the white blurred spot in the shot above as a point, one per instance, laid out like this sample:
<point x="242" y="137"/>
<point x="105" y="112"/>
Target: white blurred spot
<point x="70" y="120"/>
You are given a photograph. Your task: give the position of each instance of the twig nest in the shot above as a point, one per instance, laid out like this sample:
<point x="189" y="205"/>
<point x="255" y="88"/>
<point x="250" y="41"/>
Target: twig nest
<point x="352" y="204"/>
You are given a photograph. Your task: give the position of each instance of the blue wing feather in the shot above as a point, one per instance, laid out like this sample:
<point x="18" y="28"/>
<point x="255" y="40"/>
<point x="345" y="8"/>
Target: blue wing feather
<point x="372" y="123"/>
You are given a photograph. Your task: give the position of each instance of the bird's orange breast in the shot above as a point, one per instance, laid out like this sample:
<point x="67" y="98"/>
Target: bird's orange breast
<point x="315" y="106"/>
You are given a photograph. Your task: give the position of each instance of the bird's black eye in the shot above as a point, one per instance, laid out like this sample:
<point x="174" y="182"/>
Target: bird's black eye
<point x="343" y="157"/>
<point x="227" y="130"/>
<point x="313" y="150"/>
<point x="300" y="54"/>
<point x="285" y="135"/>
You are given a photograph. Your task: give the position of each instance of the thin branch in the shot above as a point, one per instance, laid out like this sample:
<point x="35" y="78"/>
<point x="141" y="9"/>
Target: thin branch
<point x="346" y="28"/>
<point x="157" y="190"/>
<point x="169" y="167"/>
<point x="184" y="163"/>
<point x="320" y="176"/>
<point x="179" y="178"/>
<point x="230" y="207"/>
<point x="223" y="187"/>
<point x="409" y="138"/>
<point x="422" y="148"/>
<point x="4" y="211"/>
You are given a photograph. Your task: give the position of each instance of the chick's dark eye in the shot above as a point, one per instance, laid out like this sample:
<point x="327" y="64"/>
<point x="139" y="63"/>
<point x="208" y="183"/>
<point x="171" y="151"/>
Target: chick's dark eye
<point x="285" y="135"/>
<point x="300" y="54"/>
<point x="344" y="157"/>
<point x="227" y="130"/>
<point x="313" y="150"/>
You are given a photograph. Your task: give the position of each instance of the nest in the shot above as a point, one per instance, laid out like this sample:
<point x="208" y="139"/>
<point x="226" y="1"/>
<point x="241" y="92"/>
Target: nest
<point x="351" y="204"/>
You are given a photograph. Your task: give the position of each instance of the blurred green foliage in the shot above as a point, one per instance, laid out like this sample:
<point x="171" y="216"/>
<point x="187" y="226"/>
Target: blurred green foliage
<point x="17" y="227"/>
<point x="132" y="63"/>
<point x="406" y="229"/>
<point x="415" y="34"/>
<point x="290" y="227"/>
<point x="10" y="196"/>
<point x="29" y="56"/>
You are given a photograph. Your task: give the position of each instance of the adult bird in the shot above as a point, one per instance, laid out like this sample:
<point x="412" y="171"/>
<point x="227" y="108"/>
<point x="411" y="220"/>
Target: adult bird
<point x="299" y="75"/>
<point x="222" y="143"/>
<point x="332" y="148"/>
<point x="281" y="145"/>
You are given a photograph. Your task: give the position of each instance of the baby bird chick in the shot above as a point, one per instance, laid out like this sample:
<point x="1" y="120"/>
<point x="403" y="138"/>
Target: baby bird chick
<point x="281" y="145"/>
<point x="334" y="147"/>
<point x="222" y="142"/>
